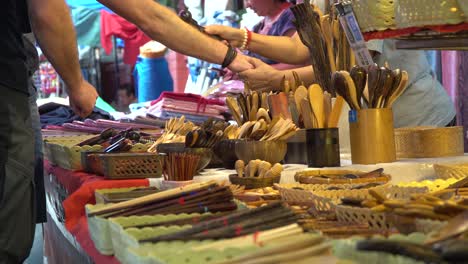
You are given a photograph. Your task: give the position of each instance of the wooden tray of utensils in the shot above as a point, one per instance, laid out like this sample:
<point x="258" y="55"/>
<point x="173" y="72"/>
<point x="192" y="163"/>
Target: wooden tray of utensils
<point x="254" y="182"/>
<point x="341" y="177"/>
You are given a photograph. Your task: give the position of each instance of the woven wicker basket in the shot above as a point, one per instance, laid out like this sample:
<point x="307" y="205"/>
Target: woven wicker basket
<point x="418" y="13"/>
<point x="253" y="182"/>
<point x="124" y="165"/>
<point x="375" y="220"/>
<point x="375" y="15"/>
<point x="429" y="142"/>
<point x="447" y="171"/>
<point x="64" y="152"/>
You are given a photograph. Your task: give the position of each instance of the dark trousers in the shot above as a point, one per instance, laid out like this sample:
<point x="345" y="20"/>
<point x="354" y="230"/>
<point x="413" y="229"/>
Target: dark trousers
<point x="17" y="208"/>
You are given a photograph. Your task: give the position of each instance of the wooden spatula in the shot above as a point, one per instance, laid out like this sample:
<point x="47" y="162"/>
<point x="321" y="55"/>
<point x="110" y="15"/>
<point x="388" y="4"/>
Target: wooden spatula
<point x="334" y="117"/>
<point x="316" y="104"/>
<point x="307" y="114"/>
<point x="327" y="107"/>
<point x="301" y="93"/>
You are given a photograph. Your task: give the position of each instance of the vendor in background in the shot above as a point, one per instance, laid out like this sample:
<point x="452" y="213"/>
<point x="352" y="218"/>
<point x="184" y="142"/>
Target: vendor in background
<point x="277" y="21"/>
<point x="125" y="97"/>
<point x="424" y="103"/>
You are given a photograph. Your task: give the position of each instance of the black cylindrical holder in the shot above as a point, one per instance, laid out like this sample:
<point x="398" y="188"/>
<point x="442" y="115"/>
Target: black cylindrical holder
<point x="323" y="147"/>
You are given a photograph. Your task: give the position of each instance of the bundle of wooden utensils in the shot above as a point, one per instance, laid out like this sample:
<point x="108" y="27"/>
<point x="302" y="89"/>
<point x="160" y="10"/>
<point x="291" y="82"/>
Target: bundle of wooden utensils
<point x="384" y="86"/>
<point x="193" y="198"/>
<point x="315" y="107"/>
<point x="235" y="224"/>
<point x="180" y="166"/>
<point x="175" y="131"/>
<point x="258" y="168"/>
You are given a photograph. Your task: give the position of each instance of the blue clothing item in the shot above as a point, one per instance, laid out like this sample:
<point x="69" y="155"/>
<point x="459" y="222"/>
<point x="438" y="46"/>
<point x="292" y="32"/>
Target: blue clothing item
<point x="283" y="24"/>
<point x="87" y="26"/>
<point x="152" y="77"/>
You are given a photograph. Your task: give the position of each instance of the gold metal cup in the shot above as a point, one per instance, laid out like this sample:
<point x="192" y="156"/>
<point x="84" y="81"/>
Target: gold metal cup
<point x="372" y="136"/>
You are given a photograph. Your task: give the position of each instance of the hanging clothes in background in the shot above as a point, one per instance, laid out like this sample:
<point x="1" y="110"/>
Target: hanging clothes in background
<point x="50" y="81"/>
<point x="134" y="38"/>
<point x="87" y="26"/>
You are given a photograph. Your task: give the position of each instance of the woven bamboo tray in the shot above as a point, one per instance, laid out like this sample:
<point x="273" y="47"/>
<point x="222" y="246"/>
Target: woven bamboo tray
<point x="374" y="15"/>
<point x="429" y="142"/>
<point x="64" y="152"/>
<point x="323" y="203"/>
<point x="375" y="220"/>
<point x="447" y="171"/>
<point x="313" y="177"/>
<point x="123" y="165"/>
<point x="253" y="182"/>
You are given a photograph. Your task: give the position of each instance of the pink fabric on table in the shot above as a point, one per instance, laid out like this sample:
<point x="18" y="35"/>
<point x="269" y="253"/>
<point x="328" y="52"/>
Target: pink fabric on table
<point x="188" y="97"/>
<point x="134" y="38"/>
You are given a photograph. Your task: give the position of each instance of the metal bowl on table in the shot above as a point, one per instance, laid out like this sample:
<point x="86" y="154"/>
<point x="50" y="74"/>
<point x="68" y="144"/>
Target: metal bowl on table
<point x="270" y="151"/>
<point x="226" y="151"/>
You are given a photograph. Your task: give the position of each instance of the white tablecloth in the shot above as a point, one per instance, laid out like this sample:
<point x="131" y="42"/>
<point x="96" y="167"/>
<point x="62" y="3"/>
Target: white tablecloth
<point x="406" y="170"/>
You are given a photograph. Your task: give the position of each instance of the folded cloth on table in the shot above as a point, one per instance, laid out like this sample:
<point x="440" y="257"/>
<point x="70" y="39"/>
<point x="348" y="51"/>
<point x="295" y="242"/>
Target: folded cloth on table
<point x="57" y="114"/>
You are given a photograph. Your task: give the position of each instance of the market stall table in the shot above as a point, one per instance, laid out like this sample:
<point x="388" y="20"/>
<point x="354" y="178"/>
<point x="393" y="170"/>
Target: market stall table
<point x="69" y="191"/>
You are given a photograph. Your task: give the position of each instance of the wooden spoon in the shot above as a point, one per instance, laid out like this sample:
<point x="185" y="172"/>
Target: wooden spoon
<point x="301" y="93"/>
<point x="254" y="108"/>
<point x="340" y="86"/>
<point x="401" y="88"/>
<point x="373" y="75"/>
<point x="386" y="82"/>
<point x="243" y="107"/>
<point x="351" y="89"/>
<point x="359" y="76"/>
<point x="316" y="104"/>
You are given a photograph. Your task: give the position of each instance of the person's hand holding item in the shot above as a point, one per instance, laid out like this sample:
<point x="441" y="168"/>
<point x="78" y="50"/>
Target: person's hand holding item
<point x="263" y="77"/>
<point x="83" y="98"/>
<point x="234" y="36"/>
<point x="241" y="63"/>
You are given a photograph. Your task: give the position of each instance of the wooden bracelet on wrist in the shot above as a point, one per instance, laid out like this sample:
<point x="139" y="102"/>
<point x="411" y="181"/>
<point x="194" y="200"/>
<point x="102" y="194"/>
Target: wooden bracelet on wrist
<point x="231" y="54"/>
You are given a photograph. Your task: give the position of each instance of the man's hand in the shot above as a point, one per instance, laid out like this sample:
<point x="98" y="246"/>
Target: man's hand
<point x="83" y="98"/>
<point x="234" y="36"/>
<point x="263" y="77"/>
